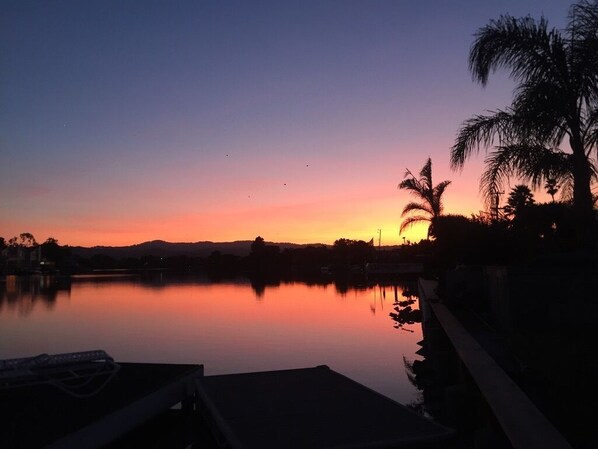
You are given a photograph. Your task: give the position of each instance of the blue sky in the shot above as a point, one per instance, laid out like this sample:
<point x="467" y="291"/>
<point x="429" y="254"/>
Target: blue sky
<point x="125" y="121"/>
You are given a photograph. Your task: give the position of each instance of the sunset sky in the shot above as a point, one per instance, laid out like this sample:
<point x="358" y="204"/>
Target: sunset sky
<point x="128" y="121"/>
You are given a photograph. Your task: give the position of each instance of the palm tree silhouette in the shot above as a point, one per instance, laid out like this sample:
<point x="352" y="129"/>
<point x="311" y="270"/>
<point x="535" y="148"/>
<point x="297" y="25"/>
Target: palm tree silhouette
<point x="424" y="189"/>
<point x="551" y="187"/>
<point x="555" y="103"/>
<point x="519" y="198"/>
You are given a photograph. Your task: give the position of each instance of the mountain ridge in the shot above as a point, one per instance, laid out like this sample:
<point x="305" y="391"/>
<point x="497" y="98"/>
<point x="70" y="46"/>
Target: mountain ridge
<point x="162" y="248"/>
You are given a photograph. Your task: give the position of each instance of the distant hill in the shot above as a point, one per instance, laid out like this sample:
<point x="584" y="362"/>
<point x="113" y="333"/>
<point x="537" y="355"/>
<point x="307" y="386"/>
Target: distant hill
<point x="160" y="248"/>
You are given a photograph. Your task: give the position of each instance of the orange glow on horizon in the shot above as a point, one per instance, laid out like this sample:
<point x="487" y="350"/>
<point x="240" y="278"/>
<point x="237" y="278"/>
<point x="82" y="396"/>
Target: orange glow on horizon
<point x="288" y="224"/>
<point x="277" y="211"/>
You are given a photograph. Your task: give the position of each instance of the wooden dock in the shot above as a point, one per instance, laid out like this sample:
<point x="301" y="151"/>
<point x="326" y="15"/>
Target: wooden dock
<point x="42" y="416"/>
<point x="309" y="408"/>
<point x="299" y="408"/>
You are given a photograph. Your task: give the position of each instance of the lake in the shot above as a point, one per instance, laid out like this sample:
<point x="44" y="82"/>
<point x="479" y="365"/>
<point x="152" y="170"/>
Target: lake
<point x="230" y="326"/>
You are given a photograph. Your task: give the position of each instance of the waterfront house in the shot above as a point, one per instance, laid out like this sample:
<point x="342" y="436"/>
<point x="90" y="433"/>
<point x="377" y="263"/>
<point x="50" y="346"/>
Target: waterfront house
<point x="21" y="257"/>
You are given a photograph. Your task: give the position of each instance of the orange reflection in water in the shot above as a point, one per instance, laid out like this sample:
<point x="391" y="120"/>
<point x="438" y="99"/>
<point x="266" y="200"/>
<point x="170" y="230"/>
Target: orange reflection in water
<point x="227" y="327"/>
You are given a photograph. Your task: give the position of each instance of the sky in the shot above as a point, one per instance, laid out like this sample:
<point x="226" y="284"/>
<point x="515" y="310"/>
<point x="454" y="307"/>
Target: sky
<point x="128" y="121"/>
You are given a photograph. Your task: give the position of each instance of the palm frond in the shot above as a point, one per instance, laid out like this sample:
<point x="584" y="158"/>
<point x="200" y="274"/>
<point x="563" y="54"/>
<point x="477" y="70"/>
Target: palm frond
<point x="583" y="18"/>
<point x="538" y="112"/>
<point x="591" y="133"/>
<point x="425" y="175"/>
<point x="532" y="163"/>
<point x="413" y="206"/>
<point x="480" y="131"/>
<point x="437" y="193"/>
<point x="414" y="186"/>
<point x="583" y="29"/>
<point x="523" y="46"/>
<point x="410" y="221"/>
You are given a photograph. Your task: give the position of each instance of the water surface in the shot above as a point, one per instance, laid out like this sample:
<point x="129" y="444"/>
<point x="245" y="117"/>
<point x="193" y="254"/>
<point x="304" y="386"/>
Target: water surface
<point x="230" y="327"/>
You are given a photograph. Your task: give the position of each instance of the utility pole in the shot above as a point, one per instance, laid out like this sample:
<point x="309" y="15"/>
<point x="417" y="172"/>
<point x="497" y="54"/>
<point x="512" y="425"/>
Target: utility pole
<point x="494" y="204"/>
<point x="379" y="237"/>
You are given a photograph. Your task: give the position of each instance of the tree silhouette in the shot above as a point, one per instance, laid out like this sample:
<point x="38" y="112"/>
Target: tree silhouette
<point x="423" y="188"/>
<point x="551" y="187"/>
<point x="258" y="246"/>
<point x="27" y="239"/>
<point x="263" y="258"/>
<point x="555" y="103"/>
<point x="58" y="255"/>
<point x="520" y="197"/>
<point x="347" y="252"/>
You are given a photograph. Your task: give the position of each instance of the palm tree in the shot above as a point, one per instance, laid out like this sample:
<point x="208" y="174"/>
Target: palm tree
<point x="551" y="187"/>
<point x="424" y="189"/>
<point x="519" y="198"/>
<point x="555" y="104"/>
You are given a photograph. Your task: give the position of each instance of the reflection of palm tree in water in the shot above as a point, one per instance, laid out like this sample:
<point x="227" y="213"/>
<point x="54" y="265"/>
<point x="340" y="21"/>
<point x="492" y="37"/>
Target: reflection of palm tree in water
<point x="382" y="291"/>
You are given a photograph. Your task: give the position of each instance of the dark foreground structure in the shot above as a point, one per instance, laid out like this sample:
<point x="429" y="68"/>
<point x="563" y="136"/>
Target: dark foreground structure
<point x="85" y="406"/>
<point x="309" y="408"/>
<point x="515" y="415"/>
<point x="88" y="401"/>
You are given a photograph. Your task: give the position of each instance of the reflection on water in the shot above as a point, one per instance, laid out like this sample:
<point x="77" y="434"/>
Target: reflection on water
<point x="229" y="326"/>
<point x="23" y="294"/>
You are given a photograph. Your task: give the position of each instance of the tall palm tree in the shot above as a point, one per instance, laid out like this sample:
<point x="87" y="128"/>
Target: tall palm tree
<point x="555" y="103"/>
<point x="424" y="189"/>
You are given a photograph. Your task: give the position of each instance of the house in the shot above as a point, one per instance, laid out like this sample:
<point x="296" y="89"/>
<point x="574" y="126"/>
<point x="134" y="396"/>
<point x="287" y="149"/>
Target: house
<point x="22" y="257"/>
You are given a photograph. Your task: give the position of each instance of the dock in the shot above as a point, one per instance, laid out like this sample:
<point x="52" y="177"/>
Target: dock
<point x="42" y="416"/>
<point x="309" y="408"/>
<point x="298" y="408"/>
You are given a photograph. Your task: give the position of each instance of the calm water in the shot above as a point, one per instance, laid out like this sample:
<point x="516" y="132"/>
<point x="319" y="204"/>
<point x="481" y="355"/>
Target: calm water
<point x="230" y="327"/>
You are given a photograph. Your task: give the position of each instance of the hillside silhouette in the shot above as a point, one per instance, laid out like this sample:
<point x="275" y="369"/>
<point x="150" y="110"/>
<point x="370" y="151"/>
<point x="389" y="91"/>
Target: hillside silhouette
<point x="161" y="248"/>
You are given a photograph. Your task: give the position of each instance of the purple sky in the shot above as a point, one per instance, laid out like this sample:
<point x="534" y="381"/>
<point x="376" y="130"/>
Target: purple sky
<point x="126" y="121"/>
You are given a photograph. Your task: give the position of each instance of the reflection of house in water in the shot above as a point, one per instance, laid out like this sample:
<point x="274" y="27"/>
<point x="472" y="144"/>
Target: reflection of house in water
<point x="22" y="257"/>
<point x="23" y="293"/>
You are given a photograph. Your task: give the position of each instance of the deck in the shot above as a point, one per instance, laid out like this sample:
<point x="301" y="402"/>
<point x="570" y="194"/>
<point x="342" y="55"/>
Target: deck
<point x="309" y="408"/>
<point x="43" y="416"/>
<point x="299" y="408"/>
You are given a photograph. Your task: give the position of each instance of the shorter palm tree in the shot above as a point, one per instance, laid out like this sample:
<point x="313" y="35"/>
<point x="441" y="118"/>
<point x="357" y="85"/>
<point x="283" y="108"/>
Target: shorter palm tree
<point x="431" y="205"/>
<point x="520" y="197"/>
<point x="551" y="187"/>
